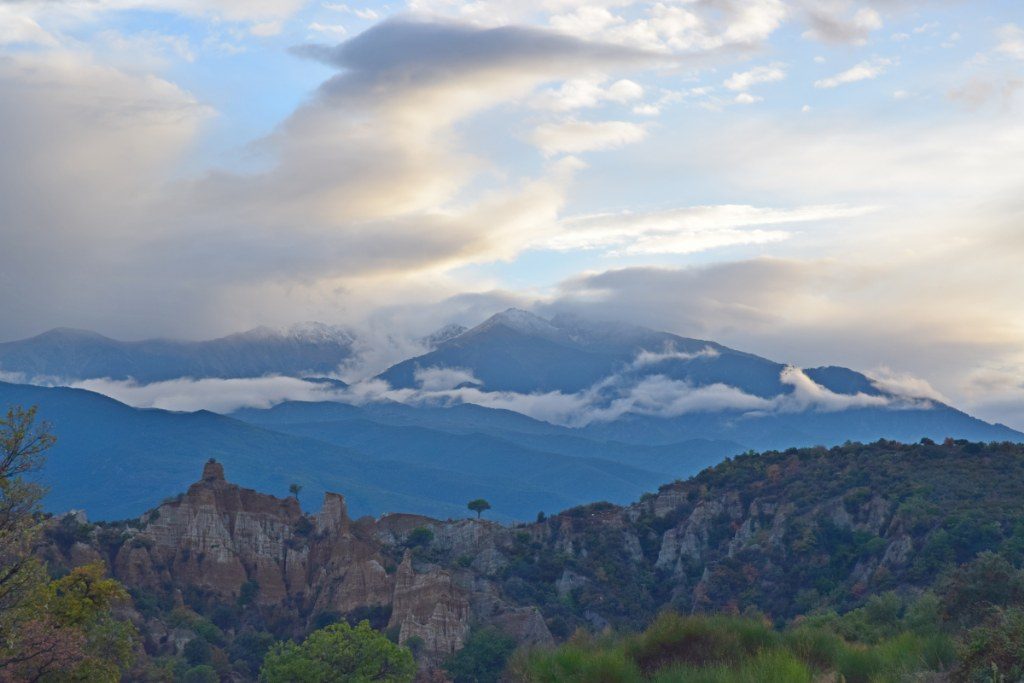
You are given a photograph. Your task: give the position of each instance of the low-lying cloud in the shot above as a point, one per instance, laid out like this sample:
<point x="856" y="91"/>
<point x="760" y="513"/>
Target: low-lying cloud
<point x="627" y="392"/>
<point x="219" y="395"/>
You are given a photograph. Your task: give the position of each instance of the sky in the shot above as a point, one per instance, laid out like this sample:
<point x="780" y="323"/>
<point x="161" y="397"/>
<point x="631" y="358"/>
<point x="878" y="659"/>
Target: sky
<point x="815" y="181"/>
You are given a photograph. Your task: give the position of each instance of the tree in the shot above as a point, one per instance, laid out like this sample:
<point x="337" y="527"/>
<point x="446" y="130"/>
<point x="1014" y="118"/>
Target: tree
<point x="62" y="629"/>
<point x="419" y="537"/>
<point x="23" y="444"/>
<point x="294" y="490"/>
<point x="479" y="506"/>
<point x="483" y="658"/>
<point x="339" y="653"/>
<point x="70" y="632"/>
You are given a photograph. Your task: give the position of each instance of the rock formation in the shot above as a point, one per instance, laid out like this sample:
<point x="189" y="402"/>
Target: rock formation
<point x="220" y="538"/>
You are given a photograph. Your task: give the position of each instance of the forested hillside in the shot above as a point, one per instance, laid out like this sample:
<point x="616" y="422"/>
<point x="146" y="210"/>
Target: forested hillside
<point x="898" y="550"/>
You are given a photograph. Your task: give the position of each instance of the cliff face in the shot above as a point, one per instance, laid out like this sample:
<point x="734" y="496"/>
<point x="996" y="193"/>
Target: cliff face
<point x="220" y="539"/>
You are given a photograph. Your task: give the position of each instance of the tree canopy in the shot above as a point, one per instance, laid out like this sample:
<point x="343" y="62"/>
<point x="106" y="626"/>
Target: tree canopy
<point x="479" y="506"/>
<point x="339" y="653"/>
<point x="50" y="630"/>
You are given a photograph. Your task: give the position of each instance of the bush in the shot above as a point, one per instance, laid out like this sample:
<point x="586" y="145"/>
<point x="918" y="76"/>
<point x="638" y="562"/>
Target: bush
<point x="420" y="537"/>
<point x="197" y="651"/>
<point x="204" y="673"/>
<point x="339" y="653"/>
<point x="574" y="664"/>
<point x="482" y="659"/>
<point x="698" y="641"/>
<point x="997" y="646"/>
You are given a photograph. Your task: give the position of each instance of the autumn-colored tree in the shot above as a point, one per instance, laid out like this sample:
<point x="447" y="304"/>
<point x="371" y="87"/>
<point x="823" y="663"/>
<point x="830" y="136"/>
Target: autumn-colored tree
<point x="60" y="630"/>
<point x="22" y="447"/>
<point x="70" y="633"/>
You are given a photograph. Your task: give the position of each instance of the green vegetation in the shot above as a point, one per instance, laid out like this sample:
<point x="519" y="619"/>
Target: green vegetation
<point x="339" y="653"/>
<point x="51" y="629"/>
<point x="479" y="506"/>
<point x="709" y="649"/>
<point x="482" y="659"/>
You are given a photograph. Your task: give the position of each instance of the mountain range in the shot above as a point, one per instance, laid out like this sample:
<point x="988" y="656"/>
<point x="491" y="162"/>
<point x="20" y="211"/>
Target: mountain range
<point x="532" y="414"/>
<point x="68" y="355"/>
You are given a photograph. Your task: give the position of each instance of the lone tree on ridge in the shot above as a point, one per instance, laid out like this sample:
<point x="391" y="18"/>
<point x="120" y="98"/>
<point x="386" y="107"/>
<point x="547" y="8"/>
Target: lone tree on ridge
<point x="479" y="506"/>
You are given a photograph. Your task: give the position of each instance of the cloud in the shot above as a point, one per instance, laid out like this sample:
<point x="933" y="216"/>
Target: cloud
<point x="706" y="26"/>
<point x="335" y="31"/>
<point x="829" y="22"/>
<point x="866" y="70"/>
<point x="809" y="395"/>
<point x="645" y="358"/>
<point x="1011" y="41"/>
<point x="905" y="384"/>
<point x="217" y="395"/>
<point x="363" y="186"/>
<point x="760" y="74"/>
<point x="265" y="17"/>
<point x="443" y="379"/>
<point x="574" y="136"/>
<point x="747" y="98"/>
<point x="688" y="230"/>
<point x="582" y="93"/>
<point x="365" y="13"/>
<point x="17" y="28"/>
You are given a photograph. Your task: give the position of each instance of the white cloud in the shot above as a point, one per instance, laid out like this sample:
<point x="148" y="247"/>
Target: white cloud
<point x="444" y="379"/>
<point x="582" y="93"/>
<point x="1011" y="41"/>
<point x="20" y="28"/>
<point x="646" y="358"/>
<point x="809" y="395"/>
<point x="688" y="230"/>
<point x="575" y="136"/>
<point x="905" y="384"/>
<point x="866" y="70"/>
<point x="366" y="13"/>
<point x="747" y="98"/>
<point x="218" y="395"/>
<point x="760" y="74"/>
<point x="335" y="31"/>
<point x="830" y="22"/>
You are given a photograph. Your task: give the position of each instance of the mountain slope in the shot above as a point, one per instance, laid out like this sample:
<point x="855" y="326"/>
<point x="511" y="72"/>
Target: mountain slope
<point x="116" y="461"/>
<point x="402" y="431"/>
<point x="68" y="354"/>
<point x="518" y="351"/>
<point x="746" y="399"/>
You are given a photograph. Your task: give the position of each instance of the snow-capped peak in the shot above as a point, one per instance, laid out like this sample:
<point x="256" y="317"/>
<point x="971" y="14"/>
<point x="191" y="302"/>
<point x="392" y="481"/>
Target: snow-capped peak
<point x="521" y="321"/>
<point x="311" y="332"/>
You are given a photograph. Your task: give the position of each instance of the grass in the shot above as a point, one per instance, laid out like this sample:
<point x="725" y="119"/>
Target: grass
<point x="727" y="649"/>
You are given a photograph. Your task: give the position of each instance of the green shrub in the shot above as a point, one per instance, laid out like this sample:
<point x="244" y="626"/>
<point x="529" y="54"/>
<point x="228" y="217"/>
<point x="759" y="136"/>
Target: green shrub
<point x="995" y="646"/>
<point x="482" y="659"/>
<point x="818" y="647"/>
<point x="698" y="641"/>
<point x="339" y="653"/>
<point x="575" y="664"/>
<point x="204" y="673"/>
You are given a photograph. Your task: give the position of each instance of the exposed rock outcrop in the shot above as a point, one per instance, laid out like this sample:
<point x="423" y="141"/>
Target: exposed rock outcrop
<point x="220" y="538"/>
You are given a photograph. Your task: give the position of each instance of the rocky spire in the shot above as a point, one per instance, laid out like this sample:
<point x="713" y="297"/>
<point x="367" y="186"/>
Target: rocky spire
<point x="213" y="471"/>
<point x="333" y="517"/>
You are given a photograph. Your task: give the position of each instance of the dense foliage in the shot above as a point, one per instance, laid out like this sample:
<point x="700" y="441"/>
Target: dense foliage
<point x="711" y="649"/>
<point x="340" y="653"/>
<point x="51" y="629"/>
